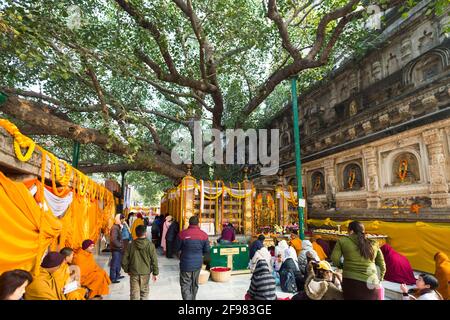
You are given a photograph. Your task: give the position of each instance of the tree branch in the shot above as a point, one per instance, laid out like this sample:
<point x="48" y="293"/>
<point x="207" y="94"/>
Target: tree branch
<point x="282" y="29"/>
<point x="29" y="112"/>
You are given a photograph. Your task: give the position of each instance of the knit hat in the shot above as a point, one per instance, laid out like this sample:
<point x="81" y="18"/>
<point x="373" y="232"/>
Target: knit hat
<point x="86" y="244"/>
<point x="324" y="265"/>
<point x="52" y="259"/>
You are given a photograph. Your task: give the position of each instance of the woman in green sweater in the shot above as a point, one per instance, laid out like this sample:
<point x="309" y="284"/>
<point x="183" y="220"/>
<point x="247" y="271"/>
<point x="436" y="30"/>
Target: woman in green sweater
<point x="361" y="256"/>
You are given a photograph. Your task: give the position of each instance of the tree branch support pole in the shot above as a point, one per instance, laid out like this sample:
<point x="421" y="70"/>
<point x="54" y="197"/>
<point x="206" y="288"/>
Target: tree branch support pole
<point x="298" y="163"/>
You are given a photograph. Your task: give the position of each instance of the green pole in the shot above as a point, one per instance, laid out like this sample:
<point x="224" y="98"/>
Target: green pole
<point x="298" y="164"/>
<point x="76" y="154"/>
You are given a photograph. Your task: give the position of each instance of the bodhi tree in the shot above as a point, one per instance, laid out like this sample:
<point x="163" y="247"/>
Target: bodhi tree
<point x="120" y="76"/>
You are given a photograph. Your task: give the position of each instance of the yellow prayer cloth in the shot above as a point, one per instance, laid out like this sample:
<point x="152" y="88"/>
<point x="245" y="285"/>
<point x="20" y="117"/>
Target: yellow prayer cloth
<point x="92" y="276"/>
<point x="44" y="287"/>
<point x="26" y="231"/>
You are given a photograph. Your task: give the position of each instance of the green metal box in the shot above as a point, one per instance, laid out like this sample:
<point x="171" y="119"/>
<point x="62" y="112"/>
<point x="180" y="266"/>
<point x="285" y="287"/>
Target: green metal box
<point x="234" y="256"/>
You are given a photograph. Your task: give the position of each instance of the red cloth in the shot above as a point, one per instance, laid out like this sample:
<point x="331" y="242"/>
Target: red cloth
<point x="398" y="268"/>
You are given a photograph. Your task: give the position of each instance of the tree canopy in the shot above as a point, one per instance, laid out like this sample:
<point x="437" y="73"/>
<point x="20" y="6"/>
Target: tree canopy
<point x="121" y="76"/>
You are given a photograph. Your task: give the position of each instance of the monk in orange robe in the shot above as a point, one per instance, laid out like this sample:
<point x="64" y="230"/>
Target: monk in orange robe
<point x="45" y="286"/>
<point x="443" y="274"/>
<point x="92" y="276"/>
<point x="139" y="221"/>
<point x="296" y="242"/>
<point x="69" y="273"/>
<point x="318" y="249"/>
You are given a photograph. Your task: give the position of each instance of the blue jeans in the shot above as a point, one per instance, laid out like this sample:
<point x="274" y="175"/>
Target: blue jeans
<point x="114" y="268"/>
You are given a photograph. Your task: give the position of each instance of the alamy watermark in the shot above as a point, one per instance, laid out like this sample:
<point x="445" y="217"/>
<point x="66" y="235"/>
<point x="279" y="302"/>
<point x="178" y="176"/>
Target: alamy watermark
<point x="217" y="147"/>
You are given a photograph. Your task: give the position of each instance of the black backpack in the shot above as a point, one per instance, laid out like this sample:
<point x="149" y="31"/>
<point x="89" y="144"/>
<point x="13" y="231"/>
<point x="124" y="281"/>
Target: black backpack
<point x="287" y="281"/>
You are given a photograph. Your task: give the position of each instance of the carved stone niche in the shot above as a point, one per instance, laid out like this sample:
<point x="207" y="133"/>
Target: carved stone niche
<point x="351" y="175"/>
<point x="392" y="64"/>
<point x="426" y="68"/>
<point x="317" y="182"/>
<point x="405" y="169"/>
<point x="405" y="49"/>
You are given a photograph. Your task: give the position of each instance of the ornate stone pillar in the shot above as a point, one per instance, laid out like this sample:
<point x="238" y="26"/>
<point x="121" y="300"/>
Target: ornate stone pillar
<point x="439" y="193"/>
<point x="373" y="200"/>
<point x="331" y="182"/>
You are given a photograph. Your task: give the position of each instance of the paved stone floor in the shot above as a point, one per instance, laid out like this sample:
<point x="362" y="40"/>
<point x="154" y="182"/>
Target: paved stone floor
<point x="168" y="288"/>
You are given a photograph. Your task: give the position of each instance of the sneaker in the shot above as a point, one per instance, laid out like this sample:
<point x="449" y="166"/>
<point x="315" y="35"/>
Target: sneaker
<point x="115" y="281"/>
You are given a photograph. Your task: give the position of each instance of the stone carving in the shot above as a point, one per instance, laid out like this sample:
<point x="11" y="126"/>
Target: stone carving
<point x="353" y="83"/>
<point x="376" y="71"/>
<point x="353" y="177"/>
<point x="392" y="64"/>
<point x="430" y="101"/>
<point x="434" y="139"/>
<point x="384" y="119"/>
<point x="404" y="110"/>
<point x="285" y="137"/>
<point x="405" y="49"/>
<point x="367" y="126"/>
<point x="353" y="108"/>
<point x="318" y="145"/>
<point x="352" y="133"/>
<point x="317" y="183"/>
<point x="405" y="169"/>
<point x="425" y="40"/>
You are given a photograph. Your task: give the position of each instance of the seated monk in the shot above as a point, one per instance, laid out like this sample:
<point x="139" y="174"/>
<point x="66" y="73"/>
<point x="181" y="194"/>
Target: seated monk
<point x="318" y="248"/>
<point x="69" y="273"/>
<point x="443" y="274"/>
<point x="398" y="268"/>
<point x="92" y="276"/>
<point x="45" y="285"/>
<point x="296" y="243"/>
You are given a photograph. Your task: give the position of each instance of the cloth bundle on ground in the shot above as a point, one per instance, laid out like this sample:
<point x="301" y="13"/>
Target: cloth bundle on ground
<point x="262" y="285"/>
<point x="92" y="276"/>
<point x="398" y="268"/>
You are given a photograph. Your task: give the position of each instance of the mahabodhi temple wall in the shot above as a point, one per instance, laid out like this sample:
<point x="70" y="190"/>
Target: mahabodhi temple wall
<point x="375" y="135"/>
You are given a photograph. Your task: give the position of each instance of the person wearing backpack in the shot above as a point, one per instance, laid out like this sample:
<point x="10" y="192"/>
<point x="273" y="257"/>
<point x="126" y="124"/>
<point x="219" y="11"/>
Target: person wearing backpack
<point x="290" y="277"/>
<point x="139" y="262"/>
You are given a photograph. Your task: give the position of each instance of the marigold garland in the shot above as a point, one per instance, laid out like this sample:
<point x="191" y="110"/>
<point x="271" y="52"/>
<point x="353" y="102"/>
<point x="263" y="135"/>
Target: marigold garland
<point x="20" y="141"/>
